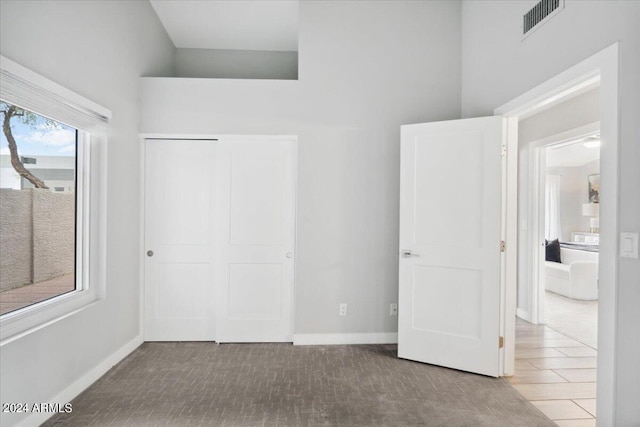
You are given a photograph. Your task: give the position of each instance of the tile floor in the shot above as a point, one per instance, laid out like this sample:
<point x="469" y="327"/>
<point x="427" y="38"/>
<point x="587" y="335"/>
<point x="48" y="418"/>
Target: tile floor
<point x="574" y="318"/>
<point x="556" y="371"/>
<point x="14" y="299"/>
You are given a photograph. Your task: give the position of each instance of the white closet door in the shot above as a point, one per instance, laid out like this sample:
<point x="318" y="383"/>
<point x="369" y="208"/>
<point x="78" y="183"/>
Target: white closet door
<point x="255" y="229"/>
<point x="179" y="218"/>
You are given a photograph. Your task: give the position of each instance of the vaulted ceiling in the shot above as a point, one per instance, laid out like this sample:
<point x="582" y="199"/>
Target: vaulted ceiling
<point x="270" y="25"/>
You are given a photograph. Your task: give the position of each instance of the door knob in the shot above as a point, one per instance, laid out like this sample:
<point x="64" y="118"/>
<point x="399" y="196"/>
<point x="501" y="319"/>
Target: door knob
<point x="289" y="255"/>
<point x="149" y="253"/>
<point x="408" y="254"/>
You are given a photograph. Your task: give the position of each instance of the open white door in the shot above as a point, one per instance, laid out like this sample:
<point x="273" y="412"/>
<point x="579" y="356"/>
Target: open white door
<point x="179" y="218"/>
<point x="256" y="236"/>
<point x="451" y="207"/>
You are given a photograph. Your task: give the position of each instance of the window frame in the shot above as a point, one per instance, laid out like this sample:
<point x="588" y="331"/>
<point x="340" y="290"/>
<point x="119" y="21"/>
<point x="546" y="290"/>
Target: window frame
<point x="90" y="251"/>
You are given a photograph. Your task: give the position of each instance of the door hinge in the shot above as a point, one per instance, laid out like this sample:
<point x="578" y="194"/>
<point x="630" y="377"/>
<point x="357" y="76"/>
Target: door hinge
<point x="503" y="246"/>
<point x="501" y="342"/>
<point x="504" y="150"/>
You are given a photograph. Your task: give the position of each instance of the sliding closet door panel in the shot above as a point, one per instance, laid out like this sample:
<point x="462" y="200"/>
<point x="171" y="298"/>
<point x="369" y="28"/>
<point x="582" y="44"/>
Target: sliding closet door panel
<point x="257" y="195"/>
<point x="256" y="206"/>
<point x="255" y="291"/>
<point x="179" y="219"/>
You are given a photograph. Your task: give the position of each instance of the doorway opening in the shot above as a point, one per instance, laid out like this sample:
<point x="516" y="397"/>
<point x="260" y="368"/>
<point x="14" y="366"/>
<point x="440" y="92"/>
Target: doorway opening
<point x="556" y="347"/>
<point x="521" y="297"/>
<point x="568" y="280"/>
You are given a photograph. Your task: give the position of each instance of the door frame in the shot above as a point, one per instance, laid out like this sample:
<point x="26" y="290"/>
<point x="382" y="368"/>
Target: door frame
<point x="603" y="67"/>
<point x="143" y="137"/>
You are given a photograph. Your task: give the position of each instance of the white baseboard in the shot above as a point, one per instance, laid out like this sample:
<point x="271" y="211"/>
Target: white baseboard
<point x="328" y="339"/>
<point x="521" y="313"/>
<point x="67" y="395"/>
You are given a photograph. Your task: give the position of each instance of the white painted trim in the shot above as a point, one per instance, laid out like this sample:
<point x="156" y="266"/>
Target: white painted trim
<point x="603" y="67"/>
<point x="509" y="292"/>
<point x="218" y="137"/>
<point x="521" y="313"/>
<point x="67" y="395"/>
<point x="141" y="237"/>
<point x="40" y="81"/>
<point x="345" y="339"/>
<point x="569" y="83"/>
<point x="292" y="314"/>
<point x="537" y="204"/>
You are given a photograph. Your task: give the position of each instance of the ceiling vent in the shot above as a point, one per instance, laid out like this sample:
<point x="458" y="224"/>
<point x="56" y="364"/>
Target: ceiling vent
<point x="539" y="14"/>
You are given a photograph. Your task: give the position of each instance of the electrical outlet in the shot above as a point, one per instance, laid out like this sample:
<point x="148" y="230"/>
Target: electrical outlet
<point x="343" y="309"/>
<point x="393" y="310"/>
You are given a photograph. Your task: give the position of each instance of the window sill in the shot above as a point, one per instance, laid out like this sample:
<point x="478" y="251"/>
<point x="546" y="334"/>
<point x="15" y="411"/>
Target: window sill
<point x="30" y="319"/>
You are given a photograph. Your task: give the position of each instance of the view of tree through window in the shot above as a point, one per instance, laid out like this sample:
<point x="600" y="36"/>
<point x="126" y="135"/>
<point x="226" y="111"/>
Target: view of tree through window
<point x="37" y="208"/>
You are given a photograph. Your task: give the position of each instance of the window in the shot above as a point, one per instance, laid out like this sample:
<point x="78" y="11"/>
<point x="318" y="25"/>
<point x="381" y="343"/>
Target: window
<point x="38" y="227"/>
<point x="52" y="178"/>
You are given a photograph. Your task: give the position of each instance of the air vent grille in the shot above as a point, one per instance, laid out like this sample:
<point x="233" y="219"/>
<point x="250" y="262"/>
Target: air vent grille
<point x="539" y="12"/>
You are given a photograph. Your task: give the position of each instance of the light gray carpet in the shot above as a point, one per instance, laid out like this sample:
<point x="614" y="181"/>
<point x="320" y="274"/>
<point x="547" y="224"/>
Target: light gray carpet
<point x="205" y="384"/>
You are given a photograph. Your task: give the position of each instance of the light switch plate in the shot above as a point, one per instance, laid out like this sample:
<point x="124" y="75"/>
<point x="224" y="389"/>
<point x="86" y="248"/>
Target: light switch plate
<point x="629" y="245"/>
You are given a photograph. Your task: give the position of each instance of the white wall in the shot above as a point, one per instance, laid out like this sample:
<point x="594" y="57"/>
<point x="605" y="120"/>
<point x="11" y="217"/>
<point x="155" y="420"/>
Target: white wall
<point x="498" y="67"/>
<point x="9" y="178"/>
<point x="59" y="172"/>
<point x="236" y="64"/>
<point x="97" y="49"/>
<point x="574" y="191"/>
<point x="365" y="68"/>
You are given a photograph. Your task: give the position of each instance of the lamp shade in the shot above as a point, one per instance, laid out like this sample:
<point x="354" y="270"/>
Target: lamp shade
<point x="591" y="209"/>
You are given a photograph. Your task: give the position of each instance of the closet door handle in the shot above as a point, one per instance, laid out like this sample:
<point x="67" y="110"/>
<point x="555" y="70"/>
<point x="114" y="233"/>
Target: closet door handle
<point x="149" y="254"/>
